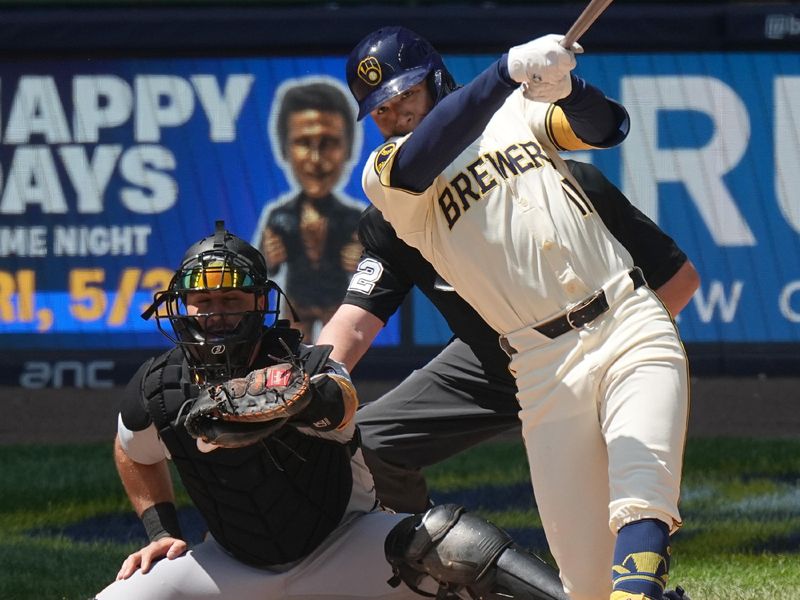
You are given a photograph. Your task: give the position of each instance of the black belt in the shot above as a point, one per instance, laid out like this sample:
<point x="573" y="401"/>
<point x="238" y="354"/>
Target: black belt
<point x="585" y="312"/>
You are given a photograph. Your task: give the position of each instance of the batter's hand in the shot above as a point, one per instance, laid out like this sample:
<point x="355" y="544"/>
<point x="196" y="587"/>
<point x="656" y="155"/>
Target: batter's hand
<point x="543" y="68"/>
<point x="143" y="559"/>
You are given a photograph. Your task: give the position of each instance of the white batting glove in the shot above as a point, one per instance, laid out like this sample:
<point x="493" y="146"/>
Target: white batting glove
<point x="543" y="68"/>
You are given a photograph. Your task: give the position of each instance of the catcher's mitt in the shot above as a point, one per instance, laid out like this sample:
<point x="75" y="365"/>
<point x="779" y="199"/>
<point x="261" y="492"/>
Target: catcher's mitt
<point x="242" y="411"/>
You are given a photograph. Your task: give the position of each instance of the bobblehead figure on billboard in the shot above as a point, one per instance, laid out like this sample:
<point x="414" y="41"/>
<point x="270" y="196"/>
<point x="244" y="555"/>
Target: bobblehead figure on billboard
<point x="308" y="236"/>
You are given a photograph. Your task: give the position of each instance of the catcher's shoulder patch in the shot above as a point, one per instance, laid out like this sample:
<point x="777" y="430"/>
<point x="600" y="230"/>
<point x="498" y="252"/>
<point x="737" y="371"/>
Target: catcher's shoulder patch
<point x="383" y="155"/>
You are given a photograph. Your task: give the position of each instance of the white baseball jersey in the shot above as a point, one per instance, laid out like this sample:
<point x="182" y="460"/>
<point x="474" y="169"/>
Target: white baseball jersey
<point x="508" y="206"/>
<point x="603" y="407"/>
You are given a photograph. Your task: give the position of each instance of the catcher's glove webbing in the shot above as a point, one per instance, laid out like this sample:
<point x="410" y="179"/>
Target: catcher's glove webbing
<point x="242" y="411"/>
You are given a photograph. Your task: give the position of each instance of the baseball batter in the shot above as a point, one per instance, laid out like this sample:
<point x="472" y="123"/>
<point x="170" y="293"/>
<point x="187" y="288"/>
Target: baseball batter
<point x="473" y="180"/>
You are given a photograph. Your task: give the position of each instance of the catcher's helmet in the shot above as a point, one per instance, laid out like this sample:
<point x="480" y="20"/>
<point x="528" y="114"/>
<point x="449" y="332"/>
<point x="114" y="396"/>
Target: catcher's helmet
<point x="218" y="346"/>
<point x="389" y="61"/>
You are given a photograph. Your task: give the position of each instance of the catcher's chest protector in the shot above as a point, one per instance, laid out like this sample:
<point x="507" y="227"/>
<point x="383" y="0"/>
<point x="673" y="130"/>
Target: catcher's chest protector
<point x="270" y="503"/>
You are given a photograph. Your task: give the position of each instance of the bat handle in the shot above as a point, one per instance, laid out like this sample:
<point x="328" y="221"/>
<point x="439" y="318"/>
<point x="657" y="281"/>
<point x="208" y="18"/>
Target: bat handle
<point x="589" y="15"/>
<point x="568" y="40"/>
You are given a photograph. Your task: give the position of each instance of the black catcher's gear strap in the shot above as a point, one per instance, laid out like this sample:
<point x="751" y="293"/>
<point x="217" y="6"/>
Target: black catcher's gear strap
<point x="160" y="521"/>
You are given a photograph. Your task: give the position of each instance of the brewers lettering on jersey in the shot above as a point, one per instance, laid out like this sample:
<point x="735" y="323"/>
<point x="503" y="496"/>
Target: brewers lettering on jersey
<point x="465" y="394"/>
<point x="472" y="178"/>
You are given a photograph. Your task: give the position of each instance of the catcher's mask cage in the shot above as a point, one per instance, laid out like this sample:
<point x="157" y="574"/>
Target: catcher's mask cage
<point x="389" y="61"/>
<point x="218" y="345"/>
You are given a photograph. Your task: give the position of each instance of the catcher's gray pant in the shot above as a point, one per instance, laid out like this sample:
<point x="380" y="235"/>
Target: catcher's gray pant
<point x="349" y="564"/>
<point x="449" y="405"/>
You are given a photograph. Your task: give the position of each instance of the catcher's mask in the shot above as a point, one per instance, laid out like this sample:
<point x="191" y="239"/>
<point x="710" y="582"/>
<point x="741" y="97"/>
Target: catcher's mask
<point x="218" y="345"/>
<point x="389" y="61"/>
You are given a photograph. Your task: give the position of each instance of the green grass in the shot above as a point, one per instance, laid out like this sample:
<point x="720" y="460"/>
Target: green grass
<point x="741" y="503"/>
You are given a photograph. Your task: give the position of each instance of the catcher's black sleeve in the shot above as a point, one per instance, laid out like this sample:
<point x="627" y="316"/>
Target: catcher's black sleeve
<point x="379" y="284"/>
<point x="134" y="414"/>
<point x="655" y="252"/>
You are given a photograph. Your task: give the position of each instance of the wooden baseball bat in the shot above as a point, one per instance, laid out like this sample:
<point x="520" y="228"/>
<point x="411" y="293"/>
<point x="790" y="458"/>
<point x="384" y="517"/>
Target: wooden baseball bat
<point x="589" y="15"/>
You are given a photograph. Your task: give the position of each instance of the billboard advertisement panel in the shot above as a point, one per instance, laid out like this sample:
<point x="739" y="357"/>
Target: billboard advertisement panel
<point x="109" y="169"/>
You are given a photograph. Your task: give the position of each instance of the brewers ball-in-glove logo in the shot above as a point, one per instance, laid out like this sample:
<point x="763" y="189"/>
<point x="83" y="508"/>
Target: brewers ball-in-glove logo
<point x="369" y="71"/>
<point x="383" y="155"/>
<point x="642" y="565"/>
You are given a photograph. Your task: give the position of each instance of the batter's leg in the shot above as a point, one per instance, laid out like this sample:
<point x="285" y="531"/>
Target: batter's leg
<point x="644" y="419"/>
<point x="568" y="462"/>
<point x="446" y="407"/>
<point x="567" y="457"/>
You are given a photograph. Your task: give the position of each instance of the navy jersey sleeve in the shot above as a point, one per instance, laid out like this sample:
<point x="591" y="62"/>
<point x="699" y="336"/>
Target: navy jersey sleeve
<point x="451" y="126"/>
<point x="462" y="115"/>
<point x="134" y="414"/>
<point x="380" y="283"/>
<point x="652" y="249"/>
<point x="595" y="119"/>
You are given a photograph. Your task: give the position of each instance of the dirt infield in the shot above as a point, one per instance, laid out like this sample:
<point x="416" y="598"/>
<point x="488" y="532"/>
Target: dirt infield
<point x="748" y="407"/>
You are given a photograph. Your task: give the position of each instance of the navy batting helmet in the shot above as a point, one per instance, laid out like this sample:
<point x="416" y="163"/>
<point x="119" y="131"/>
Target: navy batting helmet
<point x="389" y="61"/>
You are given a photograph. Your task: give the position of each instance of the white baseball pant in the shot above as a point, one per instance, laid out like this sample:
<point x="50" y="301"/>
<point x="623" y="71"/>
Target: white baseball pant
<point x="604" y="414"/>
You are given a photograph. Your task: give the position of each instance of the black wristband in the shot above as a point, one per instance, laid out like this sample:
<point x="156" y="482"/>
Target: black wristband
<point x="160" y="521"/>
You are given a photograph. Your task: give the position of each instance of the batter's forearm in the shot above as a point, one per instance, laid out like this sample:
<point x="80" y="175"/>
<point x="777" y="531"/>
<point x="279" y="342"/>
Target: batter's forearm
<point x="594" y="118"/>
<point x="146" y="485"/>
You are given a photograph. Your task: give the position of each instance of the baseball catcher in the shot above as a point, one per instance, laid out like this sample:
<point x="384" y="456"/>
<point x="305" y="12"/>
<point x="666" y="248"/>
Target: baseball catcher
<point x="260" y="428"/>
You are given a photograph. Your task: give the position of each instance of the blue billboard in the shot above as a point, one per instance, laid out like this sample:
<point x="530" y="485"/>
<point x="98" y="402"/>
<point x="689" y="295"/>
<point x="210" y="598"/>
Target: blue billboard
<point x="109" y="169"/>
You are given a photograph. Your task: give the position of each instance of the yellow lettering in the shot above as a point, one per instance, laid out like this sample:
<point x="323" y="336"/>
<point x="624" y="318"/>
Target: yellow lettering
<point x="45" y="319"/>
<point x="88" y="299"/>
<point x="122" y="302"/>
<point x="155" y="280"/>
<point x="26" y="284"/>
<point x="7" y="289"/>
